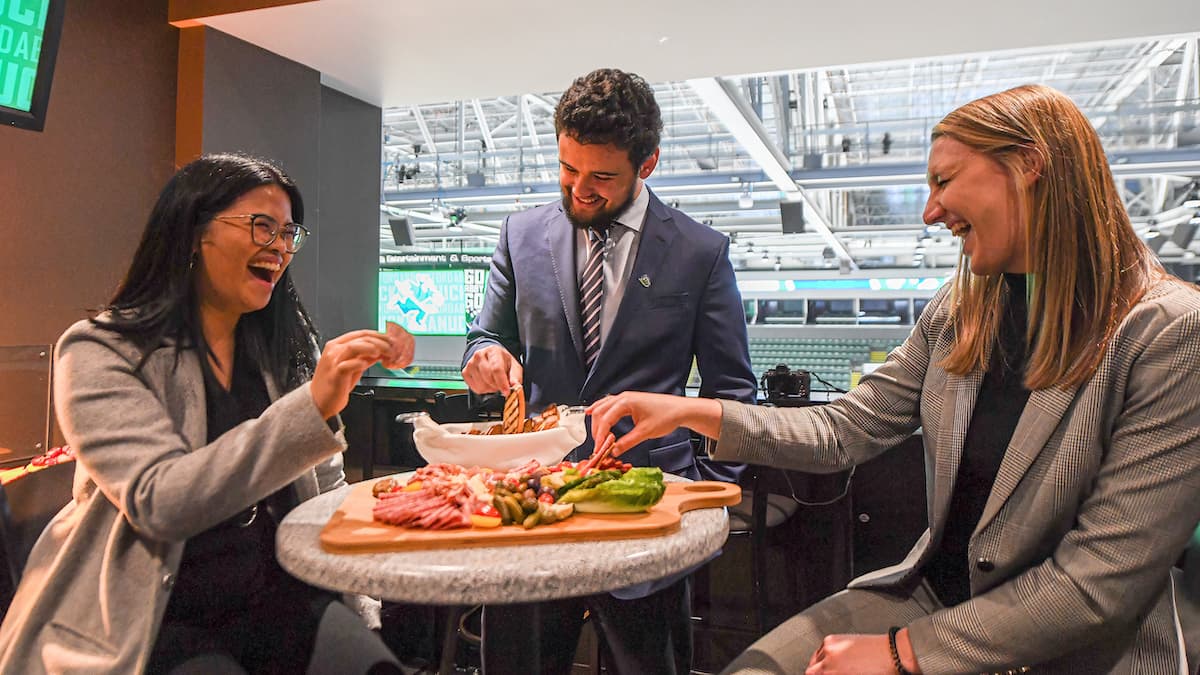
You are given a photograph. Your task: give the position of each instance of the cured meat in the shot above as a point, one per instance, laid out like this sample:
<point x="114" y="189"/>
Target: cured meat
<point x="402" y="346"/>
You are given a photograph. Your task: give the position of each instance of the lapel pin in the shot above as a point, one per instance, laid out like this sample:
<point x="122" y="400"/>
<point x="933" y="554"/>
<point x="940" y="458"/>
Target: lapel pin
<point x="645" y="280"/>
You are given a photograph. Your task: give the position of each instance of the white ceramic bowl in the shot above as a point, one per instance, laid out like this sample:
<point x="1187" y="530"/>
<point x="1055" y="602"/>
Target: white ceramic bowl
<point x="449" y="443"/>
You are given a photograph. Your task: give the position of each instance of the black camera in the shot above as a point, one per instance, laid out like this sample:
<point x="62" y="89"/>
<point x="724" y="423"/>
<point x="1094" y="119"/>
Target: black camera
<point x="783" y="383"/>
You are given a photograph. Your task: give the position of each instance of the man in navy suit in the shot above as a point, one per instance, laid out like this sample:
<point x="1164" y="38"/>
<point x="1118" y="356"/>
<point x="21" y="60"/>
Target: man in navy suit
<point x="669" y="296"/>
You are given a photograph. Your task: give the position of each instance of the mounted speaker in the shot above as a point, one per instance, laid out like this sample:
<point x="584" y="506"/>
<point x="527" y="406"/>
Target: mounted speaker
<point x="1184" y="232"/>
<point x="792" y="215"/>
<point x="402" y="232"/>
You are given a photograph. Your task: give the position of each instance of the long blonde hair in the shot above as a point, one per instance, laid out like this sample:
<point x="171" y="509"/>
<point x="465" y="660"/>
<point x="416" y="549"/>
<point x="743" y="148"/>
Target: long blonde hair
<point x="1089" y="266"/>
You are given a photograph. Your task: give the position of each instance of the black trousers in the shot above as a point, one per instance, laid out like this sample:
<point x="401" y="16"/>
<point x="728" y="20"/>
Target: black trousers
<point x="300" y="630"/>
<point x="646" y="636"/>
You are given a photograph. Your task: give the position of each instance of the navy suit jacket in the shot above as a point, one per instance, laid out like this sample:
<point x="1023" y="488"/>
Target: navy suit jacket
<point x="681" y="301"/>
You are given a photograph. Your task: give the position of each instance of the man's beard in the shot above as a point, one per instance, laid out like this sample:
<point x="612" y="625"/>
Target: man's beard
<point x="602" y="219"/>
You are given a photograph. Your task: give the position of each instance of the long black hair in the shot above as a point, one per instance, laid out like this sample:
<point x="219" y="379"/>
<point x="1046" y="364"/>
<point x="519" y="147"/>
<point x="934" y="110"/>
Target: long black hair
<point x="156" y="300"/>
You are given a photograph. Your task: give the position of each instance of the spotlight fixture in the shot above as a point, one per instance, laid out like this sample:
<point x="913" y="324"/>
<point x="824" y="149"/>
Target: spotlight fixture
<point x="1184" y="232"/>
<point x="746" y="199"/>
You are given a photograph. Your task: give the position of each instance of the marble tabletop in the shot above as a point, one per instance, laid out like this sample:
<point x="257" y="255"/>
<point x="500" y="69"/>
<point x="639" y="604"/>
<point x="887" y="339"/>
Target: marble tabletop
<point x="494" y="574"/>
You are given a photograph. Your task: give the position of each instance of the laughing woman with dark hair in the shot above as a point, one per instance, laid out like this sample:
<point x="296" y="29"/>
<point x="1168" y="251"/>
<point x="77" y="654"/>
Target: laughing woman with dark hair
<point x="200" y="414"/>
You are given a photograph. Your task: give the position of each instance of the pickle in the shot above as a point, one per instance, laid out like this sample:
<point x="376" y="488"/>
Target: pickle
<point x="505" y="515"/>
<point x="529" y="505"/>
<point x="514" y="508"/>
<point x="531" y="520"/>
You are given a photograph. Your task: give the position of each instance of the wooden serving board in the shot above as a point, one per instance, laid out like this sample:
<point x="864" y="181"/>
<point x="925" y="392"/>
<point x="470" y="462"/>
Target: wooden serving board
<point x="352" y="530"/>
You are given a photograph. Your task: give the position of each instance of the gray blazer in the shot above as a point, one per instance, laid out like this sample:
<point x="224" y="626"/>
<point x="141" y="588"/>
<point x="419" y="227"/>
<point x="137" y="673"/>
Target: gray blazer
<point x="1096" y="497"/>
<point x="98" y="579"/>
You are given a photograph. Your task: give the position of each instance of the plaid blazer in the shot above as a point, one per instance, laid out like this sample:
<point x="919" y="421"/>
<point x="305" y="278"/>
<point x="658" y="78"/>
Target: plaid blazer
<point x="1095" y="499"/>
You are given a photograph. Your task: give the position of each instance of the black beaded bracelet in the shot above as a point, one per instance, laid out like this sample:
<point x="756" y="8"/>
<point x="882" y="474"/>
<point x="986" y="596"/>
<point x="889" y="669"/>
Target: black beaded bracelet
<point x="895" y="652"/>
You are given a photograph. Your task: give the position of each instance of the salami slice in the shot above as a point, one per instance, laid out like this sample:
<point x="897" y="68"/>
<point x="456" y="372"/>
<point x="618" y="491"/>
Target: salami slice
<point x="403" y="345"/>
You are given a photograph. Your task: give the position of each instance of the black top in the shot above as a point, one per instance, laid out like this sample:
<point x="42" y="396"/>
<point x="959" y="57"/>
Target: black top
<point x="1002" y="398"/>
<point x="225" y="567"/>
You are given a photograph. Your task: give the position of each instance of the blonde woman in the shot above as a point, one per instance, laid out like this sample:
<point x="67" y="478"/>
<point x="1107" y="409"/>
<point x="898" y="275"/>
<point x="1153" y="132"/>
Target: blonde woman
<point x="1057" y="381"/>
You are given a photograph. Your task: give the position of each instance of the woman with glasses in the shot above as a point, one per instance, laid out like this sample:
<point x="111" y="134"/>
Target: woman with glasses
<point x="1057" y="381"/>
<point x="200" y="414"/>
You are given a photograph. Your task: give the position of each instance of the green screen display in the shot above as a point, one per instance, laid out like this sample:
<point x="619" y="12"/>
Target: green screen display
<point x="431" y="301"/>
<point x="22" y="28"/>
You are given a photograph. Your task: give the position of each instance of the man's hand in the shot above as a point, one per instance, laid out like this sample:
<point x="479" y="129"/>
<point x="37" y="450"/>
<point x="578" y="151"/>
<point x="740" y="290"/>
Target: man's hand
<point x="492" y="368"/>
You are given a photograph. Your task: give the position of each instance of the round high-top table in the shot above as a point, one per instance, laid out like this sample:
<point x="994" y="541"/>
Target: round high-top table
<point x="493" y="574"/>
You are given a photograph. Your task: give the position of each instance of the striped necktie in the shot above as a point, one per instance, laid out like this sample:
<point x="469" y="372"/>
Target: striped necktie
<point x="591" y="295"/>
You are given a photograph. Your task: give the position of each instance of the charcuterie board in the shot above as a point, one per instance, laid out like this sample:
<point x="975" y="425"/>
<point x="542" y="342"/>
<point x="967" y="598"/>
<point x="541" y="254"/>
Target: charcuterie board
<point x="351" y="529"/>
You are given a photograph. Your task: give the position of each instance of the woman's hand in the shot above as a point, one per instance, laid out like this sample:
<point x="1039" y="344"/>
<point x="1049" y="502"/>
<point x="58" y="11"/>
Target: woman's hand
<point x="342" y="364"/>
<point x="654" y="416"/>
<point x="403" y="345"/>
<point x="852" y="654"/>
<point x="492" y="368"/>
<point x="861" y="655"/>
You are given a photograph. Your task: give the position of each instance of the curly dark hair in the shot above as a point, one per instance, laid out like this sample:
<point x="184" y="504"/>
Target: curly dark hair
<point x="611" y="106"/>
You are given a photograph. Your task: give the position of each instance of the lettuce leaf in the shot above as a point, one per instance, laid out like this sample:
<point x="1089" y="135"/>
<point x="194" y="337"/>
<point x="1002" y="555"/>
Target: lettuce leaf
<point x="637" y="490"/>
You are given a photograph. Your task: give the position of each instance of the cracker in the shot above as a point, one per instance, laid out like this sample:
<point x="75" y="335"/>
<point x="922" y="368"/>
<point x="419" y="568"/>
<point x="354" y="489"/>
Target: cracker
<point x="514" y="411"/>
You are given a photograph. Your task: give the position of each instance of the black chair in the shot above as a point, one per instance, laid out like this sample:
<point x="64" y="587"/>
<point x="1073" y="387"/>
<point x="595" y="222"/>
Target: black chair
<point x="1185" y="578"/>
<point x="758" y="511"/>
<point x="468" y="407"/>
<point x="26" y="505"/>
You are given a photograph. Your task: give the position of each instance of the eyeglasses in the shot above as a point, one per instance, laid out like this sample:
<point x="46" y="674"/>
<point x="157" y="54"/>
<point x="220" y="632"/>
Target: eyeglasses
<point x="264" y="230"/>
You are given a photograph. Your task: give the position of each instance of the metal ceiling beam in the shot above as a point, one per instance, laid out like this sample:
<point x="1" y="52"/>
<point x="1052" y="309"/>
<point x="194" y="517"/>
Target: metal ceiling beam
<point x="512" y="119"/>
<point x="534" y="141"/>
<point x="1137" y="74"/>
<point x="722" y="98"/>
<point x="484" y="130"/>
<point x="424" y="129"/>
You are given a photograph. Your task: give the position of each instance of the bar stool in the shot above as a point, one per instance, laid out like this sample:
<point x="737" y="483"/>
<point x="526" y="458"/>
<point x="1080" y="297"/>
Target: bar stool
<point x="753" y="517"/>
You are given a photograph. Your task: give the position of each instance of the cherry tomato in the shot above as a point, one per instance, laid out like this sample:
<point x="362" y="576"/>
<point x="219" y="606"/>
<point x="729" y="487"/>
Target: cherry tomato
<point x="485" y="515"/>
<point x="547" y="497"/>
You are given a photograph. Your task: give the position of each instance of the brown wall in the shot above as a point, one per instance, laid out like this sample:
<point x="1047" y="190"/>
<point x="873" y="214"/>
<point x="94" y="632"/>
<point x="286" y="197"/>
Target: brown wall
<point x="74" y="198"/>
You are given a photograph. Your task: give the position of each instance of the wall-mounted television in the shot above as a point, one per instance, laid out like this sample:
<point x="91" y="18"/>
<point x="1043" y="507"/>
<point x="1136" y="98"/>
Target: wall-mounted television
<point x="432" y="301"/>
<point x="29" y="35"/>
